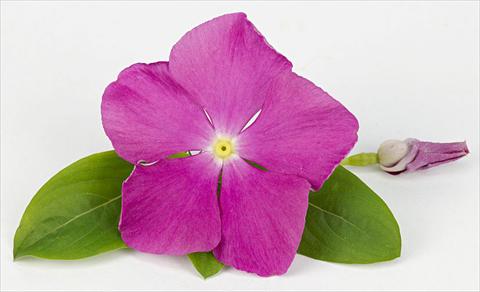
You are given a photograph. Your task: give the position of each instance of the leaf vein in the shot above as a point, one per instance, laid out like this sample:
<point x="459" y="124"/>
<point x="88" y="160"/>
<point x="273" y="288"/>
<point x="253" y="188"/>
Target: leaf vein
<point x="337" y="216"/>
<point x="75" y="218"/>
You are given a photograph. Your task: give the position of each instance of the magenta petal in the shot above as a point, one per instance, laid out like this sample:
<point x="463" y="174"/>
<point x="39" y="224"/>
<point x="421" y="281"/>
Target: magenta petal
<point x="301" y="130"/>
<point x="171" y="207"/>
<point x="148" y="116"/>
<point x="431" y="154"/>
<point x="227" y="65"/>
<point x="263" y="216"/>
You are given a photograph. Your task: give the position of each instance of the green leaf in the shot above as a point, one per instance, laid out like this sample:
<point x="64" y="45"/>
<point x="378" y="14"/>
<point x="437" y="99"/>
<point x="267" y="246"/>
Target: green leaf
<point x="205" y="263"/>
<point x="361" y="159"/>
<point x="179" y="155"/>
<point x="75" y="214"/>
<point x="348" y="223"/>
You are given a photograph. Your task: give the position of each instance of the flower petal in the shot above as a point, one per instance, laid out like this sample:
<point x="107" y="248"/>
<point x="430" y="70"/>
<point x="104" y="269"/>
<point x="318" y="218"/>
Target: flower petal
<point x="148" y="116"/>
<point x="171" y="207"/>
<point x="263" y="216"/>
<point x="430" y="154"/>
<point x="227" y="65"/>
<point x="301" y="130"/>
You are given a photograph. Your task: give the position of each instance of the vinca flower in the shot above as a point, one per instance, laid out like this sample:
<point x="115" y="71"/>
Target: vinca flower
<point x="395" y="156"/>
<point x="220" y="76"/>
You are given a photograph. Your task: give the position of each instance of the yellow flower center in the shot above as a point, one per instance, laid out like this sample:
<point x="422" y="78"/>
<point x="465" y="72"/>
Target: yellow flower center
<point x="223" y="148"/>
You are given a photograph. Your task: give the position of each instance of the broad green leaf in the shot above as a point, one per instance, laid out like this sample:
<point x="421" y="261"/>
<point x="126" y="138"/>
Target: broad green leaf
<point x="348" y="223"/>
<point x="361" y="159"/>
<point x="75" y="214"/>
<point x="205" y="263"/>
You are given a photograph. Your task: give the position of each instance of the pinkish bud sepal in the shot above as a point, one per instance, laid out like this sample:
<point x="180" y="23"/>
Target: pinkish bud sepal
<point x="420" y="154"/>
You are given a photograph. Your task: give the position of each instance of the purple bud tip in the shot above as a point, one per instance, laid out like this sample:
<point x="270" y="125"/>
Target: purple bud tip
<point x="420" y="154"/>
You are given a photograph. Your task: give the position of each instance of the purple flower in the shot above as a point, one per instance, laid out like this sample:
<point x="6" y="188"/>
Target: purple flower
<point x="397" y="156"/>
<point x="218" y="77"/>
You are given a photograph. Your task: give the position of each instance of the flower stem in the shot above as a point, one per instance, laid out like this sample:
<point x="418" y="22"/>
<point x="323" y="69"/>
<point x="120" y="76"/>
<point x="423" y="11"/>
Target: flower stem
<point x="361" y="159"/>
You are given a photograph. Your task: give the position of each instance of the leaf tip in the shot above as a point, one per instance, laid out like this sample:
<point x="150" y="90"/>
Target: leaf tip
<point x="205" y="276"/>
<point x="205" y="264"/>
<point x="16" y="254"/>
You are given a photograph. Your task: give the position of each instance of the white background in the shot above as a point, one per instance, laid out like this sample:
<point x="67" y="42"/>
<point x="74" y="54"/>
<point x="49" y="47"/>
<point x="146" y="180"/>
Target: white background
<point x="406" y="69"/>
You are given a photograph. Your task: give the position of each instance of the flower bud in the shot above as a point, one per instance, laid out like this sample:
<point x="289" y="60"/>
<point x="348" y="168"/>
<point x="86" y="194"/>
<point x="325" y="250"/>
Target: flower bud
<point x="392" y="151"/>
<point x="397" y="156"/>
